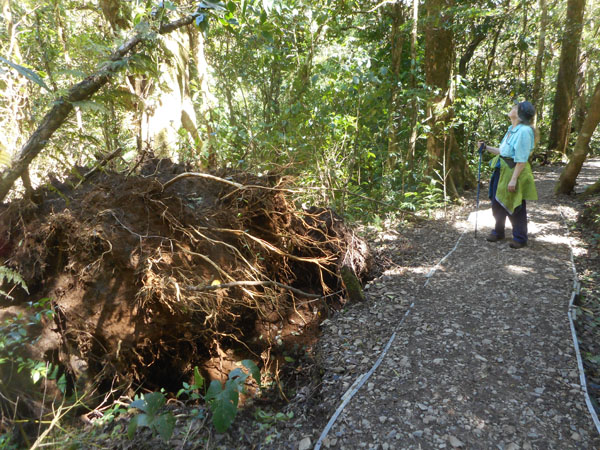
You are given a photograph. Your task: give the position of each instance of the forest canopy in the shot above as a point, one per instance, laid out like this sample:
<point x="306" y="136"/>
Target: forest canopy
<point x="380" y="99"/>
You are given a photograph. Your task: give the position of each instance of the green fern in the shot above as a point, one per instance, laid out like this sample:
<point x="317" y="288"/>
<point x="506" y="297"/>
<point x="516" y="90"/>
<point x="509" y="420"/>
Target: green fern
<point x="11" y="276"/>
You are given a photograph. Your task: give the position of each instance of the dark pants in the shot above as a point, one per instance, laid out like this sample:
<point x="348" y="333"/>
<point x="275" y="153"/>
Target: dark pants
<point x="518" y="218"/>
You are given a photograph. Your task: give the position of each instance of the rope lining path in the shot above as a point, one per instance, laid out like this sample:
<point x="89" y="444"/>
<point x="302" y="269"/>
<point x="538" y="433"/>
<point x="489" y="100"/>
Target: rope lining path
<point x="362" y="379"/>
<point x="571" y="312"/>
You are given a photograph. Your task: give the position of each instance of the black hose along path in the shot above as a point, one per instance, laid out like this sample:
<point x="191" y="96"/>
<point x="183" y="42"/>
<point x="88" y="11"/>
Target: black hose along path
<point x="483" y="356"/>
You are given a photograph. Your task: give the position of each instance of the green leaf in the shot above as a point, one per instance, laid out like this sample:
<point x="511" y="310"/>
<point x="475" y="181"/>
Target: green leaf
<point x="139" y="404"/>
<point x="62" y="383"/>
<point x="143" y="420"/>
<point x="223" y="404"/>
<point x="198" y="379"/>
<point x="131" y="429"/>
<point x="254" y="370"/>
<point x="154" y="401"/>
<point x="168" y="5"/>
<point x="165" y="426"/>
<point x="27" y="73"/>
<point x="238" y="375"/>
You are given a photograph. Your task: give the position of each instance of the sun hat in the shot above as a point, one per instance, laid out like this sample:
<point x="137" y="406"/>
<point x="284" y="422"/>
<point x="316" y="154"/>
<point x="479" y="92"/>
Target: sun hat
<point x="525" y="111"/>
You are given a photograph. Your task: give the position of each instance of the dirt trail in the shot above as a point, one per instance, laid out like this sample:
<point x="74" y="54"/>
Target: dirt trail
<point x="484" y="359"/>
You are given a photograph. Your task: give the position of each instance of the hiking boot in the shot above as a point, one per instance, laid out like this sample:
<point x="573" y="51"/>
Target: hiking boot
<point x="493" y="237"/>
<point x="515" y="244"/>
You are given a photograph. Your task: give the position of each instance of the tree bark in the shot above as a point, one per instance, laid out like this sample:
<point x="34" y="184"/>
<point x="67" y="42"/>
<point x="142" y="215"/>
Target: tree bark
<point x="592" y="190"/>
<point x="580" y="95"/>
<point x="412" y="141"/>
<point x="479" y="35"/>
<point x="444" y="156"/>
<point x="566" y="78"/>
<point x="568" y="176"/>
<point x="396" y="14"/>
<point x="539" y="59"/>
<point x="64" y="105"/>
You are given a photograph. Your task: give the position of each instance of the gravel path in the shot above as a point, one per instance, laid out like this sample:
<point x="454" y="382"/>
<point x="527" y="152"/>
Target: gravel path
<point x="484" y="358"/>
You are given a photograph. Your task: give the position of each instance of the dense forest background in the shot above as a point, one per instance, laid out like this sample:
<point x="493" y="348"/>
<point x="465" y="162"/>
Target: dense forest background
<point x="383" y="100"/>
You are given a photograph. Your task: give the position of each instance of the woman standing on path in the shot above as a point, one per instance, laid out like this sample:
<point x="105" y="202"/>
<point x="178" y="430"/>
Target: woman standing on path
<point x="512" y="181"/>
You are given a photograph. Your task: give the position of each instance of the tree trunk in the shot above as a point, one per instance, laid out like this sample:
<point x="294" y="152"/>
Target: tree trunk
<point x="592" y="190"/>
<point x="64" y="105"/>
<point x="568" y="176"/>
<point x="443" y="154"/>
<point x="580" y="95"/>
<point x="566" y="78"/>
<point x="396" y="13"/>
<point x="412" y="142"/>
<point x="479" y="35"/>
<point x="539" y="60"/>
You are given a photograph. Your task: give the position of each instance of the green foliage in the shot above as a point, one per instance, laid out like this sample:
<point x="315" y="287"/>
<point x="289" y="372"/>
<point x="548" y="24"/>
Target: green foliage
<point x="16" y="334"/>
<point x="151" y="417"/>
<point x="10" y="276"/>
<point x="192" y="391"/>
<point x="223" y="400"/>
<point x="27" y="73"/>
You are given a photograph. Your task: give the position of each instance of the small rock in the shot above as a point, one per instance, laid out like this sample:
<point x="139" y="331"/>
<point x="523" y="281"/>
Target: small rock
<point x="422" y="406"/>
<point x="418" y="433"/>
<point x="576" y="437"/>
<point x="382" y="419"/>
<point x="512" y="446"/>
<point x="455" y="442"/>
<point x="305" y="444"/>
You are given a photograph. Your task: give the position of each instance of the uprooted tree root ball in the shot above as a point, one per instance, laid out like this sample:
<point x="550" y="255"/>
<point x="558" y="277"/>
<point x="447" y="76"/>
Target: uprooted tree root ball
<point x="152" y="275"/>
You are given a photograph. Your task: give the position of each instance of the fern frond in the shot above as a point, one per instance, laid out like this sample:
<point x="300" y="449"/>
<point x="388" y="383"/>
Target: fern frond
<point x="11" y="276"/>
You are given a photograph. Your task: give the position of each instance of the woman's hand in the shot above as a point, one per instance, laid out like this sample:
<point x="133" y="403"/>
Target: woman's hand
<point x="512" y="186"/>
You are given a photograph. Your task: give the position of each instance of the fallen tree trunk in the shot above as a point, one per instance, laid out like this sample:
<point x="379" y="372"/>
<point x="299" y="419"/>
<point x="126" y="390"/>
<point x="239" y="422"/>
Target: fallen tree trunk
<point x="63" y="106"/>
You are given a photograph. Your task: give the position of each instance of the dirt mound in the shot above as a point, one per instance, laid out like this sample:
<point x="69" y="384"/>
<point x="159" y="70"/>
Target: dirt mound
<point x="153" y="274"/>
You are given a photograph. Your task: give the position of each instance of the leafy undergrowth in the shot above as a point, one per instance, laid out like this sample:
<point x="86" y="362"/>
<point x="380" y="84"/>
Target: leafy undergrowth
<point x="241" y="413"/>
<point x="588" y="317"/>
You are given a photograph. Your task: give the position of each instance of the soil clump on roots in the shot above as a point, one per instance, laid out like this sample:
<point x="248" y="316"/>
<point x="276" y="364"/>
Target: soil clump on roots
<point x="151" y="275"/>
